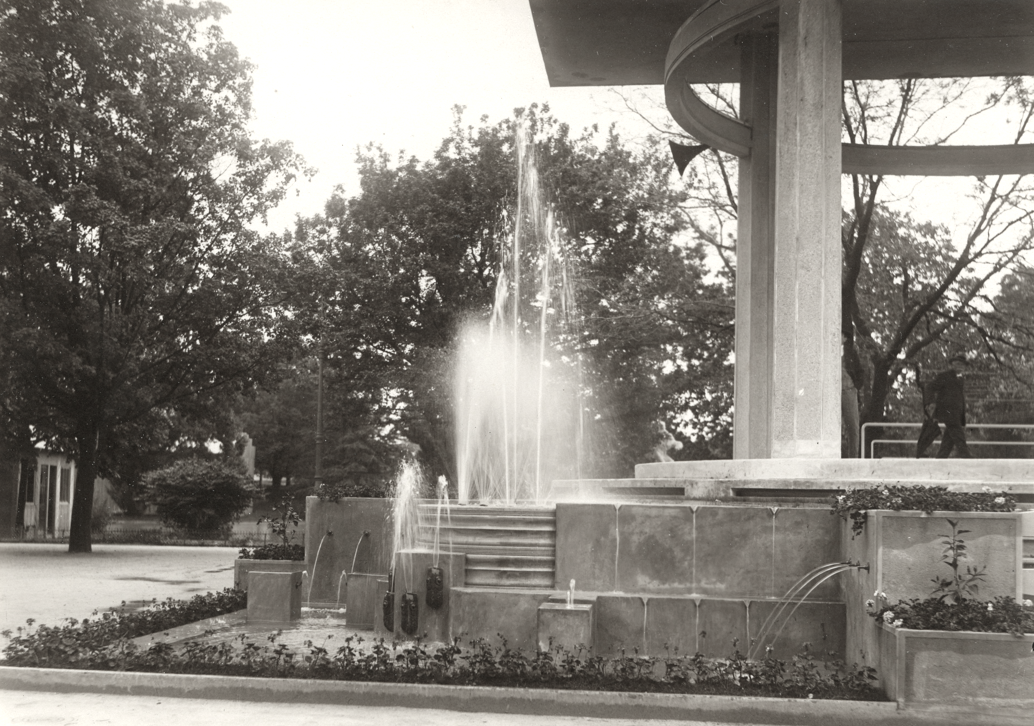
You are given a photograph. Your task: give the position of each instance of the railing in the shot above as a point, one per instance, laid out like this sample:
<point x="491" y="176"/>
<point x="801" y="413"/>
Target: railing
<point x="910" y="425"/>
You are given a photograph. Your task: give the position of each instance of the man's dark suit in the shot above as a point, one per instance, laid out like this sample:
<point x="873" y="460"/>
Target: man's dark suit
<point x="948" y="397"/>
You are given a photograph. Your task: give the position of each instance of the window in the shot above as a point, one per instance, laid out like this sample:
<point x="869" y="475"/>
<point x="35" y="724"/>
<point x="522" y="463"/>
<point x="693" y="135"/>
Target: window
<point x="66" y="483"/>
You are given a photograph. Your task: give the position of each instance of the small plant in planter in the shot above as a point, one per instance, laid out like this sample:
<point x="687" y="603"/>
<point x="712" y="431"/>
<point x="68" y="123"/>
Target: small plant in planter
<point x="960" y="586"/>
<point x="854" y="504"/>
<point x="283" y="524"/>
<point x="954" y="605"/>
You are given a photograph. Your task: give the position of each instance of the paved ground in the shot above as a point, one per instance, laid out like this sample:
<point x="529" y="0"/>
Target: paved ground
<point x="46" y="583"/>
<point x="23" y="707"/>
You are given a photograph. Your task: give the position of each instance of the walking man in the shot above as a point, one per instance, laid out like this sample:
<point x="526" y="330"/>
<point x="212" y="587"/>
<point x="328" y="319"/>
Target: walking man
<point x="944" y="402"/>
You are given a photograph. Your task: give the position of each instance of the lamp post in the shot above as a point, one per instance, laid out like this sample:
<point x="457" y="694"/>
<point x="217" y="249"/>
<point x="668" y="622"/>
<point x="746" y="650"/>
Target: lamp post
<point x="317" y="479"/>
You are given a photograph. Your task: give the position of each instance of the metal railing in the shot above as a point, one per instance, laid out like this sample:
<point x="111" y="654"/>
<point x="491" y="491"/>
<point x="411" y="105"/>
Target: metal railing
<point x="919" y="425"/>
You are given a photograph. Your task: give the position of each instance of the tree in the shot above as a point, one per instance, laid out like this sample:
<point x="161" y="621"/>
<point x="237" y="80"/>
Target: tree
<point x="419" y="251"/>
<point x="131" y="288"/>
<point x="281" y="423"/>
<point x="941" y="290"/>
<point x="911" y="290"/>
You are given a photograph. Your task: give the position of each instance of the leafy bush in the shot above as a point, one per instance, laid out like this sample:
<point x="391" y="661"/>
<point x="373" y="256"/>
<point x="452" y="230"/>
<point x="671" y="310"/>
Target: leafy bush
<point x="855" y="503"/>
<point x="89" y="644"/>
<point x="200" y="496"/>
<point x="274" y="552"/>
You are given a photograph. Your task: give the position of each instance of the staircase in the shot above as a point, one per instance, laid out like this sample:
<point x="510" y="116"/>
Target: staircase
<point x="512" y="547"/>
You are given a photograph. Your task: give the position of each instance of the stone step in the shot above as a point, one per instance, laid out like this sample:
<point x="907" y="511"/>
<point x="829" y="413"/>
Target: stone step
<point x="544" y="550"/>
<point x="511" y="562"/>
<point x="535" y="524"/>
<point x="513" y="547"/>
<point x="501" y="537"/>
<point x="468" y="510"/>
<point x="526" y="578"/>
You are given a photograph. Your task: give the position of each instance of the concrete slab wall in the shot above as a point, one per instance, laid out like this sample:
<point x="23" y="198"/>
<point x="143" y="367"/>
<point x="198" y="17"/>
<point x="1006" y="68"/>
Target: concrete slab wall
<point x="511" y="615"/>
<point x="347" y="520"/>
<point x="241" y="569"/>
<point x="704" y="550"/>
<point x="656" y="625"/>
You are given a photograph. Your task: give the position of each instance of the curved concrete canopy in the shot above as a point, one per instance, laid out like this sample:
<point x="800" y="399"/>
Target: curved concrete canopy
<point x="717" y="23"/>
<point x="625" y="42"/>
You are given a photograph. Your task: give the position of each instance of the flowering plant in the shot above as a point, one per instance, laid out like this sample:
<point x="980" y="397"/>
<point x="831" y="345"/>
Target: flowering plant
<point x="854" y="504"/>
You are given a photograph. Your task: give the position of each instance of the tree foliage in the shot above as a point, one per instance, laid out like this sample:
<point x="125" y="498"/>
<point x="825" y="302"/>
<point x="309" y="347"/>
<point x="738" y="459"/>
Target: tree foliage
<point x="418" y="251"/>
<point x="130" y="286"/>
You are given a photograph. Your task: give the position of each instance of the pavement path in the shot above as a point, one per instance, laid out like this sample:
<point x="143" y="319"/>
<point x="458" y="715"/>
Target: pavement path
<point x="46" y="583"/>
<point x="81" y="709"/>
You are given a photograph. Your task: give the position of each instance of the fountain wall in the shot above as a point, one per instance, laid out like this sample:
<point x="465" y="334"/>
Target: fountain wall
<point x="662" y="577"/>
<point x="345" y="548"/>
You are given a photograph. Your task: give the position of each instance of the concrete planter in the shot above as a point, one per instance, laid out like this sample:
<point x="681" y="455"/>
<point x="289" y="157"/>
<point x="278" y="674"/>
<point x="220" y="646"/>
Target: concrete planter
<point x="965" y="669"/>
<point x="932" y="667"/>
<point x="241" y="568"/>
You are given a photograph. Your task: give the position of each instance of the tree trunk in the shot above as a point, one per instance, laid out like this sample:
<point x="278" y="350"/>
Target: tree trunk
<point x="80" y="535"/>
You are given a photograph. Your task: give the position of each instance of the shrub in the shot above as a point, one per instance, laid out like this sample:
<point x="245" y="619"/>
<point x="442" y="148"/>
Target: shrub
<point x="273" y="552"/>
<point x="855" y="503"/>
<point x="200" y="497"/>
<point x="328" y="492"/>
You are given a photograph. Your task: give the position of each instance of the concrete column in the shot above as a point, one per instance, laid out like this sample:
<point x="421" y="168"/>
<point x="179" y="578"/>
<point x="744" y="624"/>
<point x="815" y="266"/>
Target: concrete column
<point x="755" y="250"/>
<point x="805" y="416"/>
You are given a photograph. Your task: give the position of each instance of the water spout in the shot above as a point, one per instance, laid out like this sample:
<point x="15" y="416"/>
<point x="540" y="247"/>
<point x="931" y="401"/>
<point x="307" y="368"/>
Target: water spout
<point x="315" y="562"/>
<point x="364" y="535"/>
<point x="342" y="578"/>
<point x="812" y="580"/>
<point x="519" y="416"/>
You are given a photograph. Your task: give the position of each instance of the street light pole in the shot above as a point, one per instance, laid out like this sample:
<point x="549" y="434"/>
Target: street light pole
<point x="317" y="479"/>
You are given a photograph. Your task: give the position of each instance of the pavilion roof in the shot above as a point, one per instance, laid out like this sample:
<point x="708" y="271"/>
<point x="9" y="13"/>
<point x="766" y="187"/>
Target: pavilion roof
<point x="624" y="42"/>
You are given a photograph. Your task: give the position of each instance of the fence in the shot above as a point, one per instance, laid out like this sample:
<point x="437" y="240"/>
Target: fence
<point x="150" y="531"/>
<point x="1000" y="447"/>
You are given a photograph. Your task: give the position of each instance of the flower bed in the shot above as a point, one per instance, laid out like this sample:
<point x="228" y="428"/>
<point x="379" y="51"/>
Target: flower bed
<point x="107" y="647"/>
<point x="77" y="644"/>
<point x="855" y="504"/>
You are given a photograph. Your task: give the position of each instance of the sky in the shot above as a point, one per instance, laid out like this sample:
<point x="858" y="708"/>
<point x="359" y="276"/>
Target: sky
<point x="334" y="75"/>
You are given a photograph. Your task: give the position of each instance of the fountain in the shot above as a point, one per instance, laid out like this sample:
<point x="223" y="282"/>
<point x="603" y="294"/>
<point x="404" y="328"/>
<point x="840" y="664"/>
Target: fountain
<point x="690" y="572"/>
<point x="652" y="571"/>
<point x="510" y="445"/>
